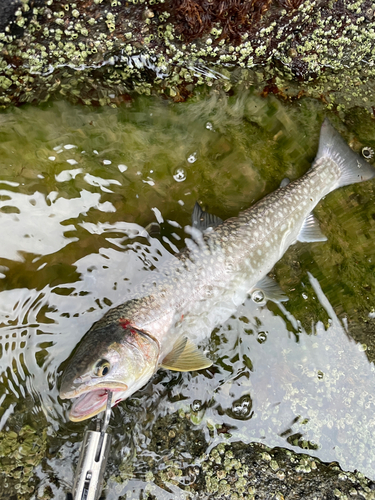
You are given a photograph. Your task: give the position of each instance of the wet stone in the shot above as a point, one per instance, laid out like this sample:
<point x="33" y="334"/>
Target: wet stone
<point x="21" y="450"/>
<point x="157" y="49"/>
<point x="248" y="471"/>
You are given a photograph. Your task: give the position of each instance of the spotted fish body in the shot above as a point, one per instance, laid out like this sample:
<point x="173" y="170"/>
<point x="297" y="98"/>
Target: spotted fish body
<point x="205" y="282"/>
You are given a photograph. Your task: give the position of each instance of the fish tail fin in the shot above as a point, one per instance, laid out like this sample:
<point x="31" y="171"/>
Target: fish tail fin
<point x="353" y="167"/>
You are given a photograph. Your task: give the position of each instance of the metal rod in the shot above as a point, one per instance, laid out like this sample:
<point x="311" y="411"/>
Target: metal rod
<point x="107" y="414"/>
<point x="93" y="457"/>
<point x="106" y="418"/>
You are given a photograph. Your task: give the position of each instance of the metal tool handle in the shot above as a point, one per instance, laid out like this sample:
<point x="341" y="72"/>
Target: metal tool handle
<point x="92" y="461"/>
<point x="91" y="466"/>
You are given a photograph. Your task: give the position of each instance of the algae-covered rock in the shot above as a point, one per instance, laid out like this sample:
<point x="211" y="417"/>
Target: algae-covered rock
<point x="235" y="470"/>
<point x="256" y="472"/>
<point x="97" y="52"/>
<point x="20" y="452"/>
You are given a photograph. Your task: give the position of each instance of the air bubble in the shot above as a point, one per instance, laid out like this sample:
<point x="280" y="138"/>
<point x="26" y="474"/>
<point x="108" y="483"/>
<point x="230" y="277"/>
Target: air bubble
<point x="262" y="337"/>
<point x="196" y="405"/>
<point x="258" y="296"/>
<point x="241" y="408"/>
<point x="179" y="175"/>
<point x="192" y="158"/>
<point x="367" y="152"/>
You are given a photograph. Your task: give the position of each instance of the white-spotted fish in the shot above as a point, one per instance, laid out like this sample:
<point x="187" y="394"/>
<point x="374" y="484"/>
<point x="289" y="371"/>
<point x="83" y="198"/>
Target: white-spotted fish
<point x="223" y="262"/>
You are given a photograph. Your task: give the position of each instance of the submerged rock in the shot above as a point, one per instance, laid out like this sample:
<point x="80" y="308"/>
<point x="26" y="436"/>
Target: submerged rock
<point x="241" y="471"/>
<point x="256" y="472"/>
<point x="21" y="450"/>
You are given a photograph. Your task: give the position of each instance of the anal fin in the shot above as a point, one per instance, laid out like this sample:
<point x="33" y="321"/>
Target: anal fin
<point x="267" y="289"/>
<point x="310" y="231"/>
<point x="185" y="356"/>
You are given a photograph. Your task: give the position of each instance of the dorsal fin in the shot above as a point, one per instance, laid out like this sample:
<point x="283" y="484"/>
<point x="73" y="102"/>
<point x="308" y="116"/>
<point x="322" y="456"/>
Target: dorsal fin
<point x="203" y="220"/>
<point x="185" y="356"/>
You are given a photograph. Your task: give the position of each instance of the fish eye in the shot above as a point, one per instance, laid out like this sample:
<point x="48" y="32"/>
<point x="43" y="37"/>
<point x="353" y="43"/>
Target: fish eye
<point x="102" y="368"/>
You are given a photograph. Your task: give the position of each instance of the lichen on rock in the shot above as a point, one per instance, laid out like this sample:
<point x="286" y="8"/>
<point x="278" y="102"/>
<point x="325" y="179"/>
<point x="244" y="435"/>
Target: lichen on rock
<point x="100" y="51"/>
<point x="20" y="452"/>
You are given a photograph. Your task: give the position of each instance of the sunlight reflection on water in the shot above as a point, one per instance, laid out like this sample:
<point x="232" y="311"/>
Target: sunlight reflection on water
<point x="36" y="325"/>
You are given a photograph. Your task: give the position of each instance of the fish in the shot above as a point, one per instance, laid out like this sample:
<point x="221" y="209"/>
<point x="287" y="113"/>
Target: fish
<point x="200" y="287"/>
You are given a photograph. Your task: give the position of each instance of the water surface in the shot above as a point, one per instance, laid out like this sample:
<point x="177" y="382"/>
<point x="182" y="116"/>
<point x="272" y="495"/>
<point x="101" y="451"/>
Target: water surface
<point x="77" y="188"/>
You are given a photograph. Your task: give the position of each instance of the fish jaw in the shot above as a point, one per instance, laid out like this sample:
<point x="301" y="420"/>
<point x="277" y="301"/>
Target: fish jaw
<point x="91" y="403"/>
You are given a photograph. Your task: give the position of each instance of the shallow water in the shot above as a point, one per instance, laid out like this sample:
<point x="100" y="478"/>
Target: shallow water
<point x="77" y="187"/>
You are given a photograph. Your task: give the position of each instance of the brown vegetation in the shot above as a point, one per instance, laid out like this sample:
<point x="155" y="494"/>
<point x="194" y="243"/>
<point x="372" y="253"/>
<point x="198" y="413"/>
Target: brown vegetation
<point x="195" y="18"/>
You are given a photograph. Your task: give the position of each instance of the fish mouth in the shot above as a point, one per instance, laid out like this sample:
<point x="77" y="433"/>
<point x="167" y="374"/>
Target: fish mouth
<point x="92" y="402"/>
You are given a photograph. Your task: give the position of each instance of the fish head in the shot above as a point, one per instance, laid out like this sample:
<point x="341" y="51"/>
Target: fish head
<point x="116" y="357"/>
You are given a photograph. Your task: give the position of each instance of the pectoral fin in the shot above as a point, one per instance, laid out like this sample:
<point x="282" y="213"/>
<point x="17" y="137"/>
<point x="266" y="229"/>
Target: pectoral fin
<point x="310" y="231"/>
<point x="185" y="356"/>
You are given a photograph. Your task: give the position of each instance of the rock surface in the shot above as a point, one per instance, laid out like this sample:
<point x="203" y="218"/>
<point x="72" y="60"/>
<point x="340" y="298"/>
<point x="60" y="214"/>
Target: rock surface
<point x="99" y="51"/>
<point x="238" y="471"/>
